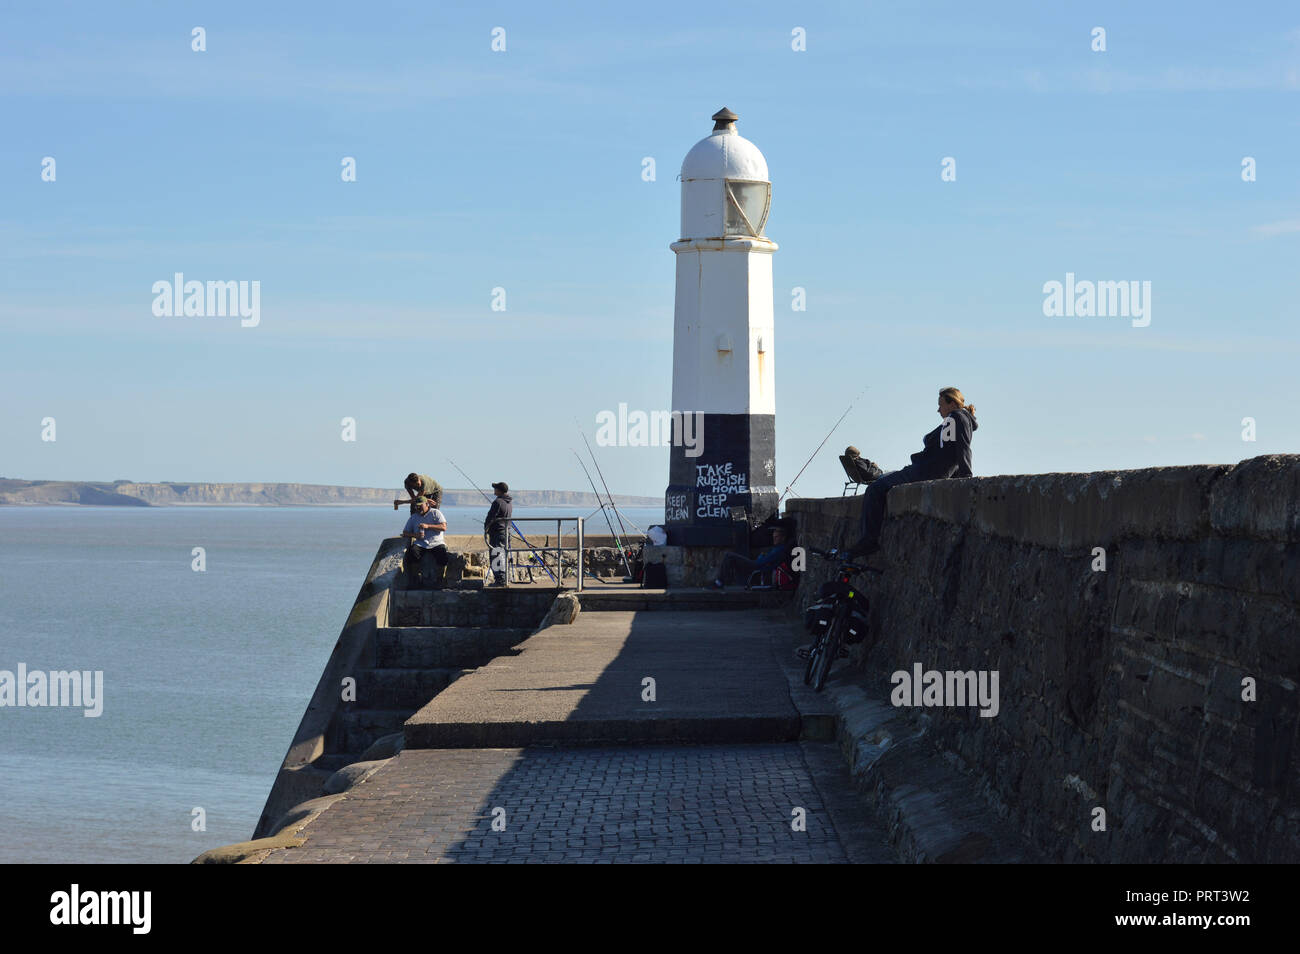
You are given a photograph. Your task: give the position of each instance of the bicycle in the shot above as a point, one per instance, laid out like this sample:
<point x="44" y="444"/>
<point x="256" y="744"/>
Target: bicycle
<point x="838" y="618"/>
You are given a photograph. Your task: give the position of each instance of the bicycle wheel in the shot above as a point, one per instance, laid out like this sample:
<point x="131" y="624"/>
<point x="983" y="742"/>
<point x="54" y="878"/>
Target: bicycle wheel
<point x="830" y="648"/>
<point x="814" y="653"/>
<point x="812" y="658"/>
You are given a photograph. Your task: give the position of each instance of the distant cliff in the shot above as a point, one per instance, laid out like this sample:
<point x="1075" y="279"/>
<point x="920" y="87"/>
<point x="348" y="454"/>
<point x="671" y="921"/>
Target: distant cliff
<point x="127" y="494"/>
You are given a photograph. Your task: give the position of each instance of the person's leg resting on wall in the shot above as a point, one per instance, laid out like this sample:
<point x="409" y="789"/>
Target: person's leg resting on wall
<point x="873" y="509"/>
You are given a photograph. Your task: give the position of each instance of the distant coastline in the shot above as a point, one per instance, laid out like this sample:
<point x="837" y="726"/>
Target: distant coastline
<point x="125" y="493"/>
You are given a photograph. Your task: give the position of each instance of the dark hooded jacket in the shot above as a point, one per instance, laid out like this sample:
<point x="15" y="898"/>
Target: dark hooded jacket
<point x="947" y="458"/>
<point x="498" y="516"/>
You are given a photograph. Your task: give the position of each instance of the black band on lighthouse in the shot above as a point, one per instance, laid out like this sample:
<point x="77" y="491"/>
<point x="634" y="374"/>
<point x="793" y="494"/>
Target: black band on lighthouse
<point x="733" y="467"/>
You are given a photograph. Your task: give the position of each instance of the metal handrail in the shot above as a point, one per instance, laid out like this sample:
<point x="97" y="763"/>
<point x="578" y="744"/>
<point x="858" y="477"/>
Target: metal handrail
<point x="558" y="549"/>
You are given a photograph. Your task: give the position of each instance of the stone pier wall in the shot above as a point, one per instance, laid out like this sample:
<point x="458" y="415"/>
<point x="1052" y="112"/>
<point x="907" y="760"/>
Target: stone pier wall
<point x="1161" y="689"/>
<point x="448" y="630"/>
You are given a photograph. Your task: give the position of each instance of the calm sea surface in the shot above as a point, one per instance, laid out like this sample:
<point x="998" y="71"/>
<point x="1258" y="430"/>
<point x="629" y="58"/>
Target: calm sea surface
<point x="206" y="675"/>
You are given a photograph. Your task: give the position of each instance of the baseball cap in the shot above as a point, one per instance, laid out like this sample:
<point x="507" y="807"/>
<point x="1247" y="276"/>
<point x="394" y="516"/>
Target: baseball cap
<point x="501" y="486"/>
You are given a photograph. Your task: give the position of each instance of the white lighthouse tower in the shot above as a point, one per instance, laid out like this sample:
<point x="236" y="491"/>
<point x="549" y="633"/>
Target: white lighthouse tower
<point x="723" y="354"/>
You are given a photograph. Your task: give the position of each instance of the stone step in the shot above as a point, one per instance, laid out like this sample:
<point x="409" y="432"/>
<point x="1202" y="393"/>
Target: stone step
<point x="492" y="607"/>
<point x="335" y="761"/>
<point x="432" y="647"/>
<point x="405" y="688"/>
<point x="714" y="676"/>
<point x="354" y="729"/>
<point x="638" y="730"/>
<point x="930" y="807"/>
<point x="683" y="600"/>
<point x="932" y="810"/>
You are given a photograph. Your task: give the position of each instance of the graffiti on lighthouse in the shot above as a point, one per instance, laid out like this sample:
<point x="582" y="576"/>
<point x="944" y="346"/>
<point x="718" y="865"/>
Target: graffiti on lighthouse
<point x="715" y="485"/>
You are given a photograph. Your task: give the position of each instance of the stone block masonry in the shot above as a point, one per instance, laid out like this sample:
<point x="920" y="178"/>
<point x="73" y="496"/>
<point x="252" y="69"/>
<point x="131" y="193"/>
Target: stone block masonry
<point x="628" y="804"/>
<point x="397" y="650"/>
<point x="1161" y="689"/>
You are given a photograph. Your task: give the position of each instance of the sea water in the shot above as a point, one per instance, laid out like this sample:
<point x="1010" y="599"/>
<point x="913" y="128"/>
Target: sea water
<point x="206" y="673"/>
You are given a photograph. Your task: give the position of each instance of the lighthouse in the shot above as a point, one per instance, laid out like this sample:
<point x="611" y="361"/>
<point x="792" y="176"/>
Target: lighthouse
<point x="723" y="348"/>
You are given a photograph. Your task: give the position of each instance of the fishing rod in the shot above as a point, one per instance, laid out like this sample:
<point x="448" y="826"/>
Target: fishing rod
<point x="630" y="522"/>
<point x="612" y="505"/>
<point x="513" y="525"/>
<point x="819" y="447"/>
<point x="619" y="543"/>
<point x="602" y="479"/>
<point x="618" y="513"/>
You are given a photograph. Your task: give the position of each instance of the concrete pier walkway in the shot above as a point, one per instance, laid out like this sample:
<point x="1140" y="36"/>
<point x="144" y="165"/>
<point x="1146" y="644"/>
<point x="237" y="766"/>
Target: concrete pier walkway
<point x="617" y="677"/>
<point x="649" y="803"/>
<point x="560" y="752"/>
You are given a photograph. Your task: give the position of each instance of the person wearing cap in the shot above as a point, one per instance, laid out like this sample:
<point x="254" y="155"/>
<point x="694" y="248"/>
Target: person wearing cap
<point x="780" y="552"/>
<point x="858" y="467"/>
<point x="426" y="553"/>
<point x="496" y="526"/>
<point x="421" y="485"/>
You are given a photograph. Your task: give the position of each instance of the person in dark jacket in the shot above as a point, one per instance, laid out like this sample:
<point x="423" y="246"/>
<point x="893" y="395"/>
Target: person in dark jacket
<point x="496" y="525"/>
<point x="945" y="452"/>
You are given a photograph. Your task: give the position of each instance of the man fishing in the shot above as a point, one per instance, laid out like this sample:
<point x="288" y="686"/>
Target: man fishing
<point x="426" y="550"/>
<point x="496" y="525"/>
<point x="509" y="523"/>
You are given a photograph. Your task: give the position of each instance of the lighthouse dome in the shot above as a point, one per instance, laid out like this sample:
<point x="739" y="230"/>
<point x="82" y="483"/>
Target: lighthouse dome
<point x="725" y="189"/>
<point x="725" y="155"/>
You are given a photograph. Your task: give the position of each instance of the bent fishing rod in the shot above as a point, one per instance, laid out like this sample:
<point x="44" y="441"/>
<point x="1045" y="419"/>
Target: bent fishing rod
<point x="602" y="478"/>
<point x="819" y="447"/>
<point x="619" y="543"/>
<point x="613" y="506"/>
<point x="513" y="525"/>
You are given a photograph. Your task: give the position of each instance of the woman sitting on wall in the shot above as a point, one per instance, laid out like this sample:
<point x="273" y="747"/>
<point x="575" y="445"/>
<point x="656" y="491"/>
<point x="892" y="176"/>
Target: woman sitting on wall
<point x="946" y="453"/>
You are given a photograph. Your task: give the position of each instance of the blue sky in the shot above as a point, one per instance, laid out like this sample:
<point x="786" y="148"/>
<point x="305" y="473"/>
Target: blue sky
<point x="522" y="169"/>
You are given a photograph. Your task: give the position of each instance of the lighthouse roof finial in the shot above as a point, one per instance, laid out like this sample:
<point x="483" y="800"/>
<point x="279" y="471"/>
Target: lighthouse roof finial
<point x="725" y="154"/>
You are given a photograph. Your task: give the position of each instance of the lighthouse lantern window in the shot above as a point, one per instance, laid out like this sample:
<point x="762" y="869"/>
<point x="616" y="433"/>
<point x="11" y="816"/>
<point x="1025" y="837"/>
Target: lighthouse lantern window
<point x="747" y="204"/>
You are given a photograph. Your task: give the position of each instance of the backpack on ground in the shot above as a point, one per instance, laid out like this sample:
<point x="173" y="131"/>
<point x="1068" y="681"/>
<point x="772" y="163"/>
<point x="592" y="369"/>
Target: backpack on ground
<point x="784" y="578"/>
<point x="654" y="577"/>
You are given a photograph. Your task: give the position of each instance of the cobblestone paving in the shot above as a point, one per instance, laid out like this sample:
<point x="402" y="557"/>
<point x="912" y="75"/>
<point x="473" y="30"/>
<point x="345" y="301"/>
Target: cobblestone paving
<point x="611" y="804"/>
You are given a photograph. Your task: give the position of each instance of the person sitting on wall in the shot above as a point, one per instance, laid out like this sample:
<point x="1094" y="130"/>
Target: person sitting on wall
<point x="426" y="553"/>
<point x="496" y="525"/>
<point x="945" y="453"/>
<point x="771" y="558"/>
<point x="421" y="485"/>
<point x="858" y="468"/>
